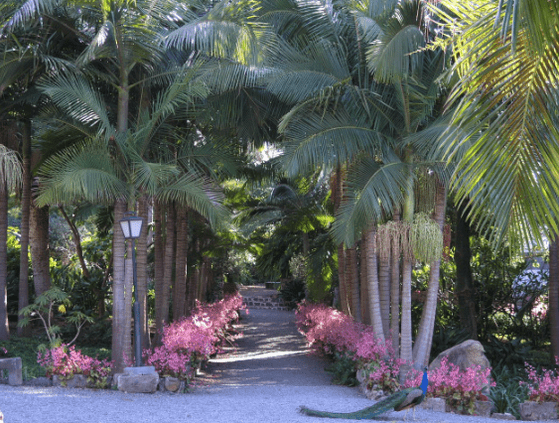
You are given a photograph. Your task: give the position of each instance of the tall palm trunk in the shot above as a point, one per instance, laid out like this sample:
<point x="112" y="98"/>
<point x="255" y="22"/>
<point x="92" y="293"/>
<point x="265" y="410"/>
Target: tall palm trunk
<point x="395" y="289"/>
<point x="352" y="282"/>
<point x="364" y="272"/>
<point x="142" y="275"/>
<point x="163" y="285"/>
<point x="423" y="342"/>
<point x="121" y="337"/>
<point x="384" y="291"/>
<point x="179" y="287"/>
<point x="4" y="326"/>
<point x="159" y="265"/>
<point x="465" y="290"/>
<point x="554" y="295"/>
<point x="39" y="242"/>
<point x="373" y="282"/>
<point x="23" y="294"/>
<point x="406" y="352"/>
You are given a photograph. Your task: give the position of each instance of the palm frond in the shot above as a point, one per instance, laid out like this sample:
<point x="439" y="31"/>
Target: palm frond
<point x="374" y="189"/>
<point x="81" y="172"/>
<point x="75" y="95"/>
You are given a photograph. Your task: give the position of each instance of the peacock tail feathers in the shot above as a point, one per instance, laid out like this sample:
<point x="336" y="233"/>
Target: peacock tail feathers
<point x="401" y="400"/>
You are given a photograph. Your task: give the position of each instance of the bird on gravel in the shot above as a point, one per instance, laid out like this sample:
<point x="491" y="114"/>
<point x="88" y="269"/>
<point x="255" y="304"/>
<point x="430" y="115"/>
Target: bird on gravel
<point x="398" y="401"/>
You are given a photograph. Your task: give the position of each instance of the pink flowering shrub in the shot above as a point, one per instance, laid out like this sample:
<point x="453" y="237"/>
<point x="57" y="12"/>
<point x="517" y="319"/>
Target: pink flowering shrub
<point x="65" y="362"/>
<point x="194" y="339"/>
<point x="330" y="332"/>
<point x="545" y="386"/>
<point x="459" y="388"/>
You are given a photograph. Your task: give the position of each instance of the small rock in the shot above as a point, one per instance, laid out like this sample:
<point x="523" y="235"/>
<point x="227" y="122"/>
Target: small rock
<point x="76" y="381"/>
<point x="434" y="404"/>
<point x="483" y="408"/>
<point x="39" y="381"/>
<point x="172" y="384"/>
<point x="503" y="416"/>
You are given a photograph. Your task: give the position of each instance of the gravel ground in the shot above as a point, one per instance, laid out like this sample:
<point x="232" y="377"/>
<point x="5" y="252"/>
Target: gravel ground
<point x="265" y="379"/>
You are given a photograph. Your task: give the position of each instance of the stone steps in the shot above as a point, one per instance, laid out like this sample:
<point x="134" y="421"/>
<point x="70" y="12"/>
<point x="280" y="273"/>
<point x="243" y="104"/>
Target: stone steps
<point x="272" y="302"/>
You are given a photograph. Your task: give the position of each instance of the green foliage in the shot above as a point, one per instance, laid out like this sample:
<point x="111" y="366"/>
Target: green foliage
<point x="26" y="348"/>
<point x="293" y="292"/>
<point x="43" y="309"/>
<point x="509" y="390"/>
<point x="343" y="370"/>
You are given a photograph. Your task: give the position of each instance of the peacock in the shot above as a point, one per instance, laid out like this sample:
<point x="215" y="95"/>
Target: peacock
<point x="398" y="401"/>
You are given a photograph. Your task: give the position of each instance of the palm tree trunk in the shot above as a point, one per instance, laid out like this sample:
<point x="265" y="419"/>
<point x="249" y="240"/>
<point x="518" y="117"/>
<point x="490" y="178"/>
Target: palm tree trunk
<point x="352" y="281"/>
<point x="373" y="283"/>
<point x="423" y="343"/>
<point x="120" y="336"/>
<point x="365" y="303"/>
<point x="23" y="294"/>
<point x="395" y="289"/>
<point x="465" y="291"/>
<point x="179" y="287"/>
<point x="159" y="268"/>
<point x="39" y="242"/>
<point x="384" y="291"/>
<point x="164" y="291"/>
<point x="142" y="275"/>
<point x="554" y="295"/>
<point x="4" y="326"/>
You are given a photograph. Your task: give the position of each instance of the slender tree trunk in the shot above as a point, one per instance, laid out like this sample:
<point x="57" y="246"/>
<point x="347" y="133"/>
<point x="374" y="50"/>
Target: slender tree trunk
<point x="179" y="287"/>
<point x="352" y="275"/>
<point x="121" y="336"/>
<point x="342" y="284"/>
<point x="373" y="282"/>
<point x="39" y="242"/>
<point x="23" y="295"/>
<point x="554" y="295"/>
<point x="465" y="290"/>
<point x="142" y="274"/>
<point x="4" y="326"/>
<point x="365" y="302"/>
<point x="395" y="289"/>
<point x="164" y="291"/>
<point x="423" y="342"/>
<point x="384" y="292"/>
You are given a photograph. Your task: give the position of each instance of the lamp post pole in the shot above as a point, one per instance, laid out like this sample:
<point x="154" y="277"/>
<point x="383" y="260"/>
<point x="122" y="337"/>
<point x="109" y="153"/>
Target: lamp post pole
<point x="131" y="226"/>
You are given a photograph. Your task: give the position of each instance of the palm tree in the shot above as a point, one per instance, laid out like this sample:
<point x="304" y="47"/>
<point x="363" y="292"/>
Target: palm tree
<point x="10" y="180"/>
<point x="506" y="101"/>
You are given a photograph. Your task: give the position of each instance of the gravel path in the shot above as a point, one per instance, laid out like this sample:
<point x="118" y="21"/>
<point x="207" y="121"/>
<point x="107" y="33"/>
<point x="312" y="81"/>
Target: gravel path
<point x="265" y="379"/>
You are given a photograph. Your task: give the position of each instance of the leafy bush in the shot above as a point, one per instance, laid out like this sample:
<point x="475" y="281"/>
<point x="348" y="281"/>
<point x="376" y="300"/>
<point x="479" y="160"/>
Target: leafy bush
<point x="187" y="342"/>
<point x="544" y="385"/>
<point x="65" y="362"/>
<point x="292" y="293"/>
<point x="510" y="390"/>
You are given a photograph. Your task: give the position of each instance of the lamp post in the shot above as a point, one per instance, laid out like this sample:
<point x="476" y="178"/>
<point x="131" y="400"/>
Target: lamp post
<point x="131" y="226"/>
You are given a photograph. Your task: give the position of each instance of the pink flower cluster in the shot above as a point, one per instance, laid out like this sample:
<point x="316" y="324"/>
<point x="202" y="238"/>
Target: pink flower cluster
<point x="460" y="388"/>
<point x="329" y="331"/>
<point x="65" y="362"/>
<point x="545" y="386"/>
<point x="193" y="339"/>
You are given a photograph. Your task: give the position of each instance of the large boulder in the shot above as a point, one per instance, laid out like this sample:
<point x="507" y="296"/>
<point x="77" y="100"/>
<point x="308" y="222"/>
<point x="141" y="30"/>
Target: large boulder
<point x="469" y="353"/>
<point x="142" y="379"/>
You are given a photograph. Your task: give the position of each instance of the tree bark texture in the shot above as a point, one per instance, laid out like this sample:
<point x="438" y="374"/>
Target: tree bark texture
<point x="554" y="295"/>
<point x="365" y="303"/>
<point x="395" y="290"/>
<point x="4" y="326"/>
<point x="142" y="274"/>
<point x="179" y="287"/>
<point x="164" y="284"/>
<point x="423" y="342"/>
<point x="39" y="242"/>
<point x="352" y="282"/>
<point x="373" y="284"/>
<point x="23" y="294"/>
<point x="121" y="337"/>
<point x="465" y="290"/>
